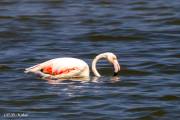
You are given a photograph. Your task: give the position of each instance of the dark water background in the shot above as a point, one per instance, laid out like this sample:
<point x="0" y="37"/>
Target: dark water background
<point x="145" y="35"/>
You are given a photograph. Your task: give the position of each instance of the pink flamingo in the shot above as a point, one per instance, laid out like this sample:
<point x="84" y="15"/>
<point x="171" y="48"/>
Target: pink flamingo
<point x="66" y="67"/>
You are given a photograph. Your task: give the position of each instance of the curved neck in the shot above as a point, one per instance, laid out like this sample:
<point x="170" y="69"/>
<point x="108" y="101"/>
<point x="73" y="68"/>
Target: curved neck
<point x="96" y="73"/>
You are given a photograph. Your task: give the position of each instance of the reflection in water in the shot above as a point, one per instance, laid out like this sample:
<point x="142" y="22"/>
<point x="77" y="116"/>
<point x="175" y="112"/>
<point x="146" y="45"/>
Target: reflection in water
<point x="60" y="81"/>
<point x="100" y="79"/>
<point x="94" y="79"/>
<point x="115" y="79"/>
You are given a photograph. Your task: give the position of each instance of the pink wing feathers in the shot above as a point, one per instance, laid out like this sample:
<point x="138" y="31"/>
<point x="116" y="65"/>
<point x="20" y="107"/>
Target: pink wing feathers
<point x="56" y="68"/>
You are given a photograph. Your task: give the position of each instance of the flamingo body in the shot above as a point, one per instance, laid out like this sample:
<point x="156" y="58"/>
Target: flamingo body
<point x="66" y="67"/>
<point x="61" y="68"/>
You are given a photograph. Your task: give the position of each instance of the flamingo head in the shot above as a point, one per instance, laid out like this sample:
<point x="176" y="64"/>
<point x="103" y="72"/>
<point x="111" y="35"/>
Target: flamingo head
<point x="113" y="60"/>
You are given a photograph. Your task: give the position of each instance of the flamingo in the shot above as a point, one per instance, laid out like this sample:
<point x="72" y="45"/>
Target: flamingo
<point x="67" y="67"/>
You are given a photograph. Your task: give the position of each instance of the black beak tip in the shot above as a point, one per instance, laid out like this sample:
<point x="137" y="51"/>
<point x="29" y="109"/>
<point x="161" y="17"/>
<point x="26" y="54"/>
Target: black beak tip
<point x="115" y="73"/>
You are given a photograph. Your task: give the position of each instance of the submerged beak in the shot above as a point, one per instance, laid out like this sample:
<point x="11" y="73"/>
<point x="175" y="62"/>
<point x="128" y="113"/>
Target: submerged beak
<point x="116" y="67"/>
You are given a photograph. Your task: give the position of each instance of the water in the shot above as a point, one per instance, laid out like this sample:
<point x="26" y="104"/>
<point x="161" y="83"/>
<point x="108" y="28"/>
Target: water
<point x="143" y="34"/>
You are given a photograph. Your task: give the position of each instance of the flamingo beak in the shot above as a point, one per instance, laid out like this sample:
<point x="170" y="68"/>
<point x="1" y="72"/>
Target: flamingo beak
<point x="116" y="67"/>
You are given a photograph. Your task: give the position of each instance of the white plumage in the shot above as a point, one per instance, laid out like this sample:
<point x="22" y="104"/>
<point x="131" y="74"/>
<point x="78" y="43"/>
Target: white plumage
<point x="67" y="67"/>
